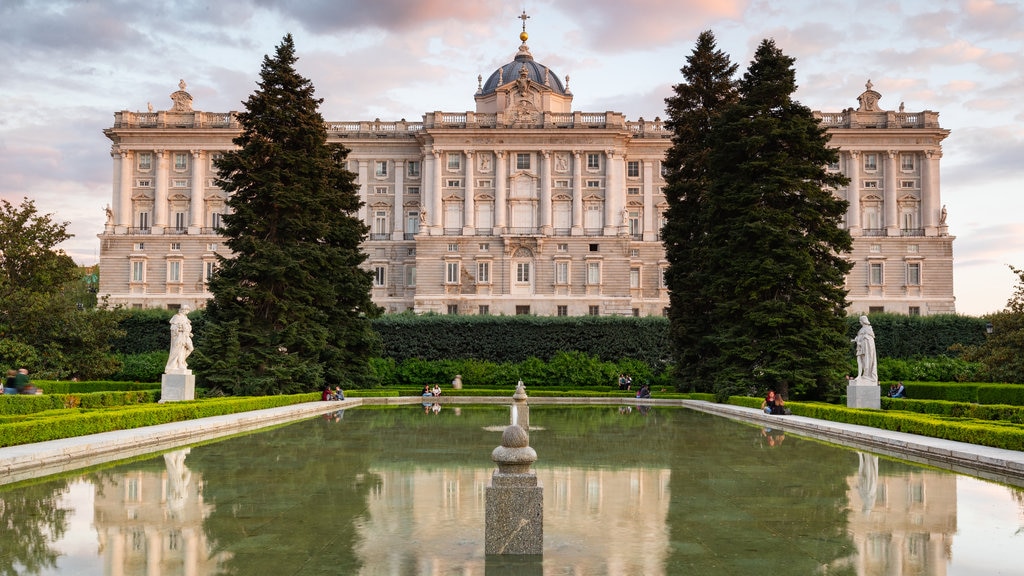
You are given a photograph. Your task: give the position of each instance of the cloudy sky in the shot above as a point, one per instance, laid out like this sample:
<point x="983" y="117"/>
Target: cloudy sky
<point x="67" y="65"/>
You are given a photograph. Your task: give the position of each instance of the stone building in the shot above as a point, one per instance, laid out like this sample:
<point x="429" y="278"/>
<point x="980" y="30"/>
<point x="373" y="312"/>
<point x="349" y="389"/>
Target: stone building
<point x="522" y="206"/>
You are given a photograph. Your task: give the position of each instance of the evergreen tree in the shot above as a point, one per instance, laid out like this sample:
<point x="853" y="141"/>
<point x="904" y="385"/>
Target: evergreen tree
<point x="1002" y="353"/>
<point x="708" y="86"/>
<point x="291" y="307"/>
<point x="774" y="246"/>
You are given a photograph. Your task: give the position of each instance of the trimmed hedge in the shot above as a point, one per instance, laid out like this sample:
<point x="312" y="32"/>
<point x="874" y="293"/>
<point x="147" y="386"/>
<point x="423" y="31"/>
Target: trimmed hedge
<point x="33" y="403"/>
<point x="68" y="387"/>
<point x="980" y="393"/>
<point x="1003" y="412"/>
<point x="81" y="424"/>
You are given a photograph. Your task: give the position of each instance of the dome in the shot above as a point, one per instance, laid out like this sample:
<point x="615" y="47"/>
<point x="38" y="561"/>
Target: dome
<point x="535" y="71"/>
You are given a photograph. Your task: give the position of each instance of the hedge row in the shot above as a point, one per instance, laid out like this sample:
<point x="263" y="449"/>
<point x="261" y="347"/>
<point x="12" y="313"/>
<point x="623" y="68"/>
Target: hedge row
<point x="1002" y="412"/>
<point x="69" y="387"/>
<point x="81" y="424"/>
<point x="33" y="403"/>
<point x="979" y="393"/>
<point x="1006" y="435"/>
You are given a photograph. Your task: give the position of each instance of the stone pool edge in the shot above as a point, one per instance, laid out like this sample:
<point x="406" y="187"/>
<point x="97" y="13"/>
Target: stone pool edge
<point x="28" y="461"/>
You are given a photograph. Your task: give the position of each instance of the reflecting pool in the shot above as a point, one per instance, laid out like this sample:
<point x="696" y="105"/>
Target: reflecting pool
<point x="400" y="490"/>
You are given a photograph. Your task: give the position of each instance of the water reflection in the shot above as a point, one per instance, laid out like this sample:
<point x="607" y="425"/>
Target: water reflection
<point x="397" y="491"/>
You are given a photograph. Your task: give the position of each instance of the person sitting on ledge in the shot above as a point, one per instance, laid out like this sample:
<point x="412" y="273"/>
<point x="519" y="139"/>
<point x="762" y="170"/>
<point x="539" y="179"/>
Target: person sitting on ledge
<point x="644" y="392"/>
<point x="897" y="390"/>
<point x="337" y="394"/>
<point x="327" y="394"/>
<point x="773" y="403"/>
<point x="426" y="390"/>
<point x="436" y="391"/>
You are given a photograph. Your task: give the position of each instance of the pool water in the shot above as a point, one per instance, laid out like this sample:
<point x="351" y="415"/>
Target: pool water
<point x="400" y="490"/>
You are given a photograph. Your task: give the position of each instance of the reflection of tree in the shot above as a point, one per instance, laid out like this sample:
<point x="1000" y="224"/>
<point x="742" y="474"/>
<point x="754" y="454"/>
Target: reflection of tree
<point x="1018" y="495"/>
<point x="31" y="521"/>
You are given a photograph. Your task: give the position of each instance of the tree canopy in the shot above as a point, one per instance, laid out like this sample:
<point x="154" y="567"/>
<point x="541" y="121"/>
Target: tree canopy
<point x="43" y="324"/>
<point x="1002" y="353"/>
<point x="766" y="259"/>
<point x="291" y="306"/>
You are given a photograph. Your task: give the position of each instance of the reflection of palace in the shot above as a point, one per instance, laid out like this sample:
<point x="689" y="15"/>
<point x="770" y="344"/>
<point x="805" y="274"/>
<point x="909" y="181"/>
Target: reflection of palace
<point x="151" y="523"/>
<point x="901" y="525"/>
<point x="599" y="521"/>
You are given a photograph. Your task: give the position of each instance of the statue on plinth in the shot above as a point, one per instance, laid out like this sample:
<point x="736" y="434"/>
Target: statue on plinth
<point x="867" y="363"/>
<point x="181" y="342"/>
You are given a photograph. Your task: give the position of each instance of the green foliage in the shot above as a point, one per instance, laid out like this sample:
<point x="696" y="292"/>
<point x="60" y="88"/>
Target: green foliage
<point x="998" y="412"/>
<point x="39" y="403"/>
<point x="145" y="330"/>
<point x="142" y="367"/>
<point x="761" y="292"/>
<point x="72" y="387"/>
<point x="934" y="369"/>
<point x="708" y="87"/>
<point x="517" y="338"/>
<point x="40" y="319"/>
<point x="291" y="308"/>
<point x="900" y="336"/>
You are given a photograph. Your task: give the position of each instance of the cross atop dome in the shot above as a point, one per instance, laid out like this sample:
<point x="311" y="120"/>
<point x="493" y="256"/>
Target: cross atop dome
<point x="523" y="35"/>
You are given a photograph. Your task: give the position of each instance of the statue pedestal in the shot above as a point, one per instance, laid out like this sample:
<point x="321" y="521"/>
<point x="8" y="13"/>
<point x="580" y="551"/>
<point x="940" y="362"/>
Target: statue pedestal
<point x="178" y="386"/>
<point x="863" y="396"/>
<point x="514" y="512"/>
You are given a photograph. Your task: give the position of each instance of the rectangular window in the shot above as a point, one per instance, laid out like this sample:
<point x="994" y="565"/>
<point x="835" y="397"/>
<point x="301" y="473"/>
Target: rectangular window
<point x="176" y="246"/>
<point x="875" y="273"/>
<point x="484" y="184"/>
<point x="453" y="247"/>
<point x="145" y="161"/>
<point x="907" y="162"/>
<point x="522" y="272"/>
<point x="174" y="271"/>
<point x="914" y="311"/>
<point x="380" y="168"/>
<point x="380" y="189"/>
<point x="140" y="246"/>
<point x="593" y="183"/>
<point x="453" y="183"/>
<point x="593" y="272"/>
<point x="833" y="166"/>
<point x="209" y="266"/>
<point x="870" y="162"/>
<point x="451" y="272"/>
<point x="180" y="223"/>
<point x="144" y="183"/>
<point x="561" y="272"/>
<point x="379" y="276"/>
<point x="483" y="272"/>
<point x="453" y="309"/>
<point x="143" y="220"/>
<point x="634" y="223"/>
<point x="484" y="247"/>
<point x="410" y="275"/>
<point x="563" y="247"/>
<point x="633" y="191"/>
<point x="483" y="310"/>
<point x="180" y="162"/>
<point x="561" y="183"/>
<point x="522" y="310"/>
<point x="138" y="271"/>
<point x="593" y="161"/>
<point x="906" y="183"/>
<point x="561" y="310"/>
<point x="876" y="309"/>
<point x="594" y="310"/>
<point x="414" y="190"/>
<point x="522" y="161"/>
<point x="914" y="274"/>
<point x="412" y="222"/>
<point x="634" y="277"/>
<point x="413" y="169"/>
<point x="871" y="183"/>
<point x="380" y="223"/>
<point x="179" y="183"/>
<point x="633" y="169"/>
<point x="215" y="219"/>
<point x="454" y="161"/>
<point x="663" y="282"/>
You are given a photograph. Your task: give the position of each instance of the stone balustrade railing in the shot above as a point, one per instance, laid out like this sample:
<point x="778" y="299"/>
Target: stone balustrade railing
<point x="884" y="119"/>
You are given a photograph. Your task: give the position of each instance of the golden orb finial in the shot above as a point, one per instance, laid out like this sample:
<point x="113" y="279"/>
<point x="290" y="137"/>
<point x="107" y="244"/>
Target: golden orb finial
<point x="523" y="35"/>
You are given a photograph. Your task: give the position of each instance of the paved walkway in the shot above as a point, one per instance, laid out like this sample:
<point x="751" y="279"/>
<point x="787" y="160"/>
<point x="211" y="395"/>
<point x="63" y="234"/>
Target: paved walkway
<point x="44" y="458"/>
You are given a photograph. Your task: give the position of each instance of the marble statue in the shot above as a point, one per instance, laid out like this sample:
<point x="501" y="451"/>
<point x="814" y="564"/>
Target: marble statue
<point x="181" y="342"/>
<point x="867" y="365"/>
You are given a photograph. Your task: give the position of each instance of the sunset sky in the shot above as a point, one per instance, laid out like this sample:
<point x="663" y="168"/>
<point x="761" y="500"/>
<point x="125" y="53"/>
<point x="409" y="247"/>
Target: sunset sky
<point x="68" y="65"/>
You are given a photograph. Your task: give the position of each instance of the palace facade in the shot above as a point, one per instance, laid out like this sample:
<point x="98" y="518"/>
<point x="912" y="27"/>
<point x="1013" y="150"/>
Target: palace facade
<point x="522" y="206"/>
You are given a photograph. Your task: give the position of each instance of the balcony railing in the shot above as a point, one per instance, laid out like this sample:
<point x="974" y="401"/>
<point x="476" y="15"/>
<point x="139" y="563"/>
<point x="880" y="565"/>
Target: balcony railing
<point x="379" y="236"/>
<point x="146" y="230"/>
<point x="912" y="231"/>
<point x="874" y="232"/>
<point x="521" y="231"/>
<point x="409" y="235"/>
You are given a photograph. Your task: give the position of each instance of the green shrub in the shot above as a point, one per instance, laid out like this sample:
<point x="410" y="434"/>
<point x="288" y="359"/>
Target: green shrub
<point x="141" y="367"/>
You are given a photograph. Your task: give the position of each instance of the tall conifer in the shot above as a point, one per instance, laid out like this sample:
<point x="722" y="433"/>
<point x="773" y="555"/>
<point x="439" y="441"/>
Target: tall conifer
<point x="291" y="307"/>
<point x="774" y="240"/>
<point x="708" y="86"/>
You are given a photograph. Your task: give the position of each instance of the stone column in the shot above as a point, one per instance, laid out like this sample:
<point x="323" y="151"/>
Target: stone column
<point x="500" y="191"/>
<point x="469" y="201"/>
<point x="545" y="192"/>
<point x="577" y="193"/>
<point x="427" y="193"/>
<point x="435" y="214"/>
<point x="197" y="203"/>
<point x="930" y="192"/>
<point x="160" y="206"/>
<point x="123" y="214"/>
<point x="154" y="550"/>
<point x="613" y="184"/>
<point x="651" y="230"/>
<point x="363" y="180"/>
<point x="892" y="224"/>
<point x="398" y="210"/>
<point x="853" y="194"/>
